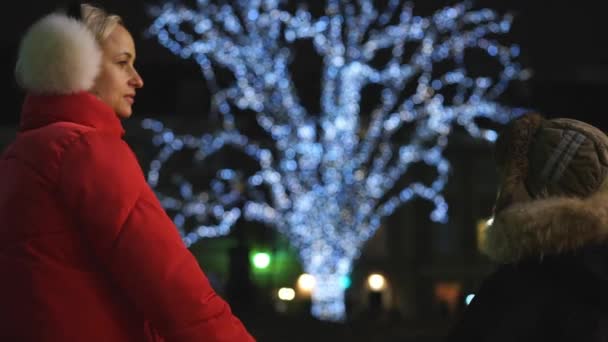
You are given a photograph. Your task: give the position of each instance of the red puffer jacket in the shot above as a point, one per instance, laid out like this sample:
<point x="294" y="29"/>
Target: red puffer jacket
<point x="86" y="251"/>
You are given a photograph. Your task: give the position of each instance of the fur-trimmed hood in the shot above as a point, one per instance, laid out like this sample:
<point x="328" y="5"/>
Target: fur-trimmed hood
<point x="547" y="227"/>
<point x="58" y="55"/>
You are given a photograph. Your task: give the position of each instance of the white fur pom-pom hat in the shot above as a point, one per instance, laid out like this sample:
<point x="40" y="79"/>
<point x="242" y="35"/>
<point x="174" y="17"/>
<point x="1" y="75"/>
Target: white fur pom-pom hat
<point x="58" y="55"/>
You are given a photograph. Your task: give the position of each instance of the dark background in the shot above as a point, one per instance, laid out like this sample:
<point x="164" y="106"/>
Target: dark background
<point x="562" y="42"/>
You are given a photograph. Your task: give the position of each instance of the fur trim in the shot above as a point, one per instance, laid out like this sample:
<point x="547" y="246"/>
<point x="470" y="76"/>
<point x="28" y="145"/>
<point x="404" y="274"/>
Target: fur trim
<point x="546" y="227"/>
<point x="58" y="55"/>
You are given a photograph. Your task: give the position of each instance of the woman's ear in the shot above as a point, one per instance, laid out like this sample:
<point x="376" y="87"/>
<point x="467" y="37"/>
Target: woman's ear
<point x="58" y="55"/>
<point x="512" y="149"/>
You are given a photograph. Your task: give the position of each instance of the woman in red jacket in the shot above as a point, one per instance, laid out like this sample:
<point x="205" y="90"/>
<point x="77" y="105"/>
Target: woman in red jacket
<point x="86" y="251"/>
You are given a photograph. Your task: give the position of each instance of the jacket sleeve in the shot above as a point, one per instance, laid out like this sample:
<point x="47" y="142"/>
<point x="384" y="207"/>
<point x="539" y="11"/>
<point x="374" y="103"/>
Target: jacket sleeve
<point x="102" y="184"/>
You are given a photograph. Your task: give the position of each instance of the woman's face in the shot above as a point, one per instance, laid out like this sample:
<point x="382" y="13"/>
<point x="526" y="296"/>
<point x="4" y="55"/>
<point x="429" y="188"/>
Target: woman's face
<point x="117" y="80"/>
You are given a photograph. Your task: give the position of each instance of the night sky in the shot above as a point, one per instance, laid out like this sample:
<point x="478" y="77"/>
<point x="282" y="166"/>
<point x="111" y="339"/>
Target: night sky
<point x="562" y="42"/>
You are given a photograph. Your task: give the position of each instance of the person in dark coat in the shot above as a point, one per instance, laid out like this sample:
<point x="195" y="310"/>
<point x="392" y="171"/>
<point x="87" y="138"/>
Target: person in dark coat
<point x="87" y="253"/>
<point x="549" y="236"/>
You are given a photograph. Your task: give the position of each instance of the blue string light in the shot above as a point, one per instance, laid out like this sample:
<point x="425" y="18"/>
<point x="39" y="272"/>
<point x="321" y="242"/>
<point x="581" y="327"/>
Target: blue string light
<point x="331" y="180"/>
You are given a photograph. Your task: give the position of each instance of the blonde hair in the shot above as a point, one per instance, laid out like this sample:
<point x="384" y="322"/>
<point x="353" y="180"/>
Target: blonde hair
<point x="100" y="22"/>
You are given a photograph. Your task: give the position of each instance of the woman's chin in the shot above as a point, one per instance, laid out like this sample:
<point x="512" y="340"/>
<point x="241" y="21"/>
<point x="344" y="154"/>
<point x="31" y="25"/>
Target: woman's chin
<point x="123" y="114"/>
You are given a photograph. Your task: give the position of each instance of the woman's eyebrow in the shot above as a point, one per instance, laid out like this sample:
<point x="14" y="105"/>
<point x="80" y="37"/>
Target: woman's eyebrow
<point x="128" y="54"/>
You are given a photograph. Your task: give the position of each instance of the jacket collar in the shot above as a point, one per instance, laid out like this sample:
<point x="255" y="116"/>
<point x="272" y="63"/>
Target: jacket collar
<point x="546" y="227"/>
<point x="81" y="108"/>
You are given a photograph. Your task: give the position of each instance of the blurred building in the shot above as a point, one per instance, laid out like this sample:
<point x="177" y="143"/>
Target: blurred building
<point x="431" y="268"/>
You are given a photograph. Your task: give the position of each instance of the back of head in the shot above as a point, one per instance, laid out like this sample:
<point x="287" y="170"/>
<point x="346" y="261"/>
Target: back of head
<point x="60" y="53"/>
<point x="100" y="22"/>
<point x="540" y="158"/>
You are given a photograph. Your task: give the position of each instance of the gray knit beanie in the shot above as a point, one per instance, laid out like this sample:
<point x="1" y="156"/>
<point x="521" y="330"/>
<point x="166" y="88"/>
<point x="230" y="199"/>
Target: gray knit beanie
<point x="540" y="158"/>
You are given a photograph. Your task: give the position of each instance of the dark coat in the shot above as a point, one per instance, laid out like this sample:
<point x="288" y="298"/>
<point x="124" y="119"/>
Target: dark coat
<point x="87" y="253"/>
<point x="552" y="284"/>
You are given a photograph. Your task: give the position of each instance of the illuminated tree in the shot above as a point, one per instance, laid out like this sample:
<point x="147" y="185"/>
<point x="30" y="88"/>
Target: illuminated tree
<point x="330" y="177"/>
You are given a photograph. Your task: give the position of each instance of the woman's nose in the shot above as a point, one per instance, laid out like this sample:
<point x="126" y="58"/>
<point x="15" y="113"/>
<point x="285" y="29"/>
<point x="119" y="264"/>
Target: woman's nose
<point x="136" y="80"/>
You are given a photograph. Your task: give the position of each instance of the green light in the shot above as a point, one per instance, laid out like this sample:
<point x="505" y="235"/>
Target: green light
<point x="345" y="282"/>
<point x="261" y="260"/>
